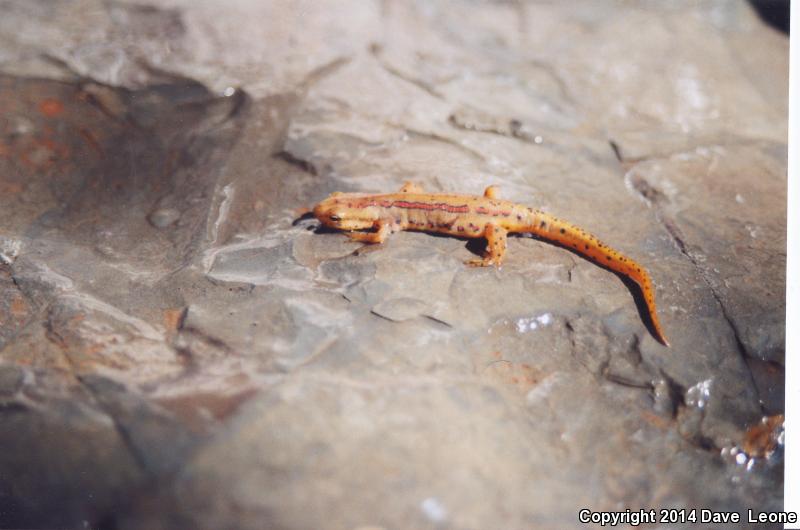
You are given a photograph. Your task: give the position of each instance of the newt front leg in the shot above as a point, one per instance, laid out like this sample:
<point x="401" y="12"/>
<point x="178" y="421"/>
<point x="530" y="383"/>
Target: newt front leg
<point x="382" y="231"/>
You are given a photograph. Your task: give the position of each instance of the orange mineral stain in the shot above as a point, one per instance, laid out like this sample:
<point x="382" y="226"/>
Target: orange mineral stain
<point x="18" y="307"/>
<point x="173" y="318"/>
<point x="762" y="438"/>
<point x="10" y="188"/>
<point x="91" y="141"/>
<point x="51" y="108"/>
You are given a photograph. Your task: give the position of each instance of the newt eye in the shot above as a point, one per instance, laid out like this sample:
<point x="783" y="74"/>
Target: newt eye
<point x="335" y="218"/>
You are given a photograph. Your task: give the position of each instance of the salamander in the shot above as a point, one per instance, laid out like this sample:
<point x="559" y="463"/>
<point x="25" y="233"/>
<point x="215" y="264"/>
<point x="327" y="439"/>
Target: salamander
<point x="372" y="218"/>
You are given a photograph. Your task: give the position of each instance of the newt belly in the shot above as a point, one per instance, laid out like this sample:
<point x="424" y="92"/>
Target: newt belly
<point x="471" y="216"/>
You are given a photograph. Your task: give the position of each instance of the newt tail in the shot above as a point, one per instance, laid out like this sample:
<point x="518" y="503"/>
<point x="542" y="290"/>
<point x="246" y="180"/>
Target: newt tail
<point x="371" y="218"/>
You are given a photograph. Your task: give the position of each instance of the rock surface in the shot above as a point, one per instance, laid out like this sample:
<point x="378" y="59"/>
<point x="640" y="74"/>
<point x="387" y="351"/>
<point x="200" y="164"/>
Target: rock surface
<point x="179" y="347"/>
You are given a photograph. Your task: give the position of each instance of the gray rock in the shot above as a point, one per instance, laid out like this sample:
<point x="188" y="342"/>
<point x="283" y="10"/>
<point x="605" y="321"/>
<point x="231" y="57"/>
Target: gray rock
<point x="163" y="217"/>
<point x="182" y="347"/>
<point x="63" y="459"/>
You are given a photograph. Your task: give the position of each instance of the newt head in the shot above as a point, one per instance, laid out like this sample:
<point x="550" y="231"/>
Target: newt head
<point x="337" y="212"/>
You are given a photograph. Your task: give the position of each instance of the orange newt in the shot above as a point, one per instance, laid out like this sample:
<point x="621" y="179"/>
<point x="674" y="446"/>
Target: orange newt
<point x="471" y="216"/>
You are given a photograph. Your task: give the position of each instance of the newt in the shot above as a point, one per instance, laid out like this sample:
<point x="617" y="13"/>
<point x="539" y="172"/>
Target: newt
<point x="372" y="218"/>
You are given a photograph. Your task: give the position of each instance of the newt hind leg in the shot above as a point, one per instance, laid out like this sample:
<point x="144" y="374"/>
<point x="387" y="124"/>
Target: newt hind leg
<point x="491" y="192"/>
<point x="496" y="241"/>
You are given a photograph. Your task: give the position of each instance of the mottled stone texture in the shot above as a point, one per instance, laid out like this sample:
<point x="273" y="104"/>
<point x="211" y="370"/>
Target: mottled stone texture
<point x="181" y="348"/>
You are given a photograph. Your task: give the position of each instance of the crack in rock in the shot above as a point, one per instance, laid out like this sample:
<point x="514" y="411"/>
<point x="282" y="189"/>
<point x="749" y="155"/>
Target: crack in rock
<point x="469" y="119"/>
<point x="157" y="441"/>
<point x="297" y="161"/>
<point x="655" y="199"/>
<point x="376" y="51"/>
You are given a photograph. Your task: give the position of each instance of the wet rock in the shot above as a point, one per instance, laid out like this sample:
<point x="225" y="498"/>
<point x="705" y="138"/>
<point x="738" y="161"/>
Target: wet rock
<point x="182" y="345"/>
<point x="664" y="397"/>
<point x="64" y="461"/>
<point x="769" y="379"/>
<point x="159" y="442"/>
<point x="735" y="211"/>
<point x="11" y="378"/>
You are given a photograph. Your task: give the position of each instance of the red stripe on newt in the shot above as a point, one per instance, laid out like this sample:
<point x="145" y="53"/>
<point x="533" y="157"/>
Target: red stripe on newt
<point x="419" y="206"/>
